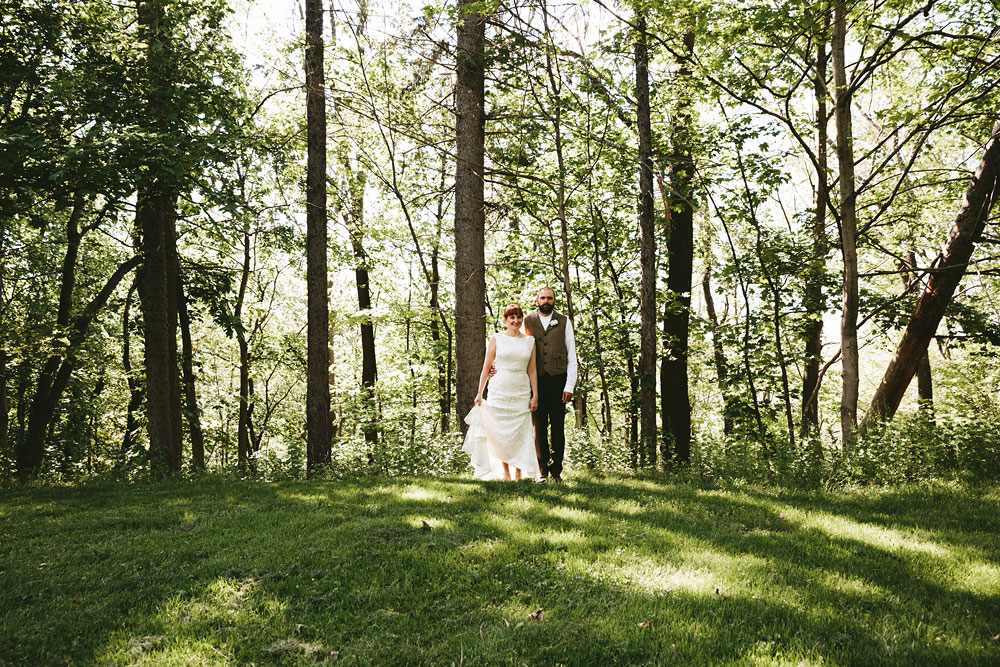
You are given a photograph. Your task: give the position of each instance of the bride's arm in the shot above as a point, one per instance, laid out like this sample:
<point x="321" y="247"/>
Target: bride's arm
<point x="491" y="353"/>
<point x="533" y="379"/>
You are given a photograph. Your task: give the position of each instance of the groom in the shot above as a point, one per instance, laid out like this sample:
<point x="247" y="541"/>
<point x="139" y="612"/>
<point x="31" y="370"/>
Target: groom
<point x="555" y="354"/>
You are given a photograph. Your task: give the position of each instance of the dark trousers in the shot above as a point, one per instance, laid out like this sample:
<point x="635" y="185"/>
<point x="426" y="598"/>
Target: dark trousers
<point x="551" y="412"/>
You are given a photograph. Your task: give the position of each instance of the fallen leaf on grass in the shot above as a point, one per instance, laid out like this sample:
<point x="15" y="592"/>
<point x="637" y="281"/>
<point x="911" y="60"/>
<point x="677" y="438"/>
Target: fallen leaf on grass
<point x="996" y="637"/>
<point x="536" y="614"/>
<point x="77" y="599"/>
<point x="646" y="624"/>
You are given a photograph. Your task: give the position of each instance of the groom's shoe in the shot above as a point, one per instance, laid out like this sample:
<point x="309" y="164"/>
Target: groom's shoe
<point x="556" y="478"/>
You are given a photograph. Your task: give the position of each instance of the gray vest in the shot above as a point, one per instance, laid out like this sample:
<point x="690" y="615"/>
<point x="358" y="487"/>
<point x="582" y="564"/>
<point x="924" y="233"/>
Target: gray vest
<point x="550" y="345"/>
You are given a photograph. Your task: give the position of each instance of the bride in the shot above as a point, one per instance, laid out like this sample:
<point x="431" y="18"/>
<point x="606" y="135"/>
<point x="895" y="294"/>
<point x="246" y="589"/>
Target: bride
<point x="500" y="434"/>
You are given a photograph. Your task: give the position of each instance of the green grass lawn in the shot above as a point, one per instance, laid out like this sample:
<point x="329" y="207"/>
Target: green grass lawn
<point x="446" y="571"/>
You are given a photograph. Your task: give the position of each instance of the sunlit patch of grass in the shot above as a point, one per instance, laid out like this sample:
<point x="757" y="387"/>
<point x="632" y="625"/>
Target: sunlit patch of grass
<point x="437" y="571"/>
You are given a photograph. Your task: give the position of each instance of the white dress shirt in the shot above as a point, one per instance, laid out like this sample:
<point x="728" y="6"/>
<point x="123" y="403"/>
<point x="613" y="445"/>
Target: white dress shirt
<point x="571" y="370"/>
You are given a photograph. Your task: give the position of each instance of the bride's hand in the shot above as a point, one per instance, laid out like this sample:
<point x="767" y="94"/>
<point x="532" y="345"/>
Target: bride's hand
<point x="479" y="399"/>
<point x="533" y="403"/>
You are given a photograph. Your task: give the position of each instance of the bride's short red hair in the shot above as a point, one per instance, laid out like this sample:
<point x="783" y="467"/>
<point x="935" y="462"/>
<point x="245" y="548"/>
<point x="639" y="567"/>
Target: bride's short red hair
<point x="513" y="310"/>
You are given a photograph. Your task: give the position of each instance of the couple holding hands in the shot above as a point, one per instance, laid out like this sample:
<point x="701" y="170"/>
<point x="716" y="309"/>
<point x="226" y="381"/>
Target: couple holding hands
<point x="535" y="362"/>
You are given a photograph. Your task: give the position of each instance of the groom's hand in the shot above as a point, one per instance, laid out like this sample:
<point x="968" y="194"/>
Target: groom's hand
<point x="567" y="396"/>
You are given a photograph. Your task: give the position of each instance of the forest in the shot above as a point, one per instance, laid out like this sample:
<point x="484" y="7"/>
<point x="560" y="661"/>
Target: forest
<point x="271" y="239"/>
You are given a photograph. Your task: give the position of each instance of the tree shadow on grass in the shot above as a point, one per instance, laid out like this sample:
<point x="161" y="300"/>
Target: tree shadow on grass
<point x="450" y="570"/>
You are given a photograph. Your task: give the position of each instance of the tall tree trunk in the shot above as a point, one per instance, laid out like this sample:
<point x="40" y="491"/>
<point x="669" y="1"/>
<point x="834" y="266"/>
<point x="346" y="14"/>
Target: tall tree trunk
<point x="191" y="410"/>
<point x="675" y="403"/>
<point x="969" y="224"/>
<point x="154" y="220"/>
<point x="813" y="298"/>
<point x="135" y="390"/>
<point x="647" y="252"/>
<point x="848" y="231"/>
<point x="470" y="260"/>
<point x="318" y="356"/>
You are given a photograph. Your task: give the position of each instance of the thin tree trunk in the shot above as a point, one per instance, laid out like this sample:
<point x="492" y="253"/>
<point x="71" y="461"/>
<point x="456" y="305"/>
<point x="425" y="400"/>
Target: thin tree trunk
<point x="4" y="404"/>
<point x="243" y="421"/>
<point x="470" y="260"/>
<point x="721" y="369"/>
<point x="134" y="387"/>
<point x="848" y="233"/>
<point x="369" y="369"/>
<point x="968" y="229"/>
<point x="606" y="417"/>
<point x="636" y="454"/>
<point x="191" y="410"/>
<point x="647" y="253"/>
<point x="173" y="306"/>
<point x="32" y="446"/>
<point x="441" y="355"/>
<point x="318" y="356"/>
<point x="52" y="384"/>
<point x="675" y="403"/>
<point x="925" y="385"/>
<point x="813" y="298"/>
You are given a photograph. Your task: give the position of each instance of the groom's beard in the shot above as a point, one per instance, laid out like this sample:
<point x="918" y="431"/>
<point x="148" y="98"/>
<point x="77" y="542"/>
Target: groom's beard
<point x="546" y="308"/>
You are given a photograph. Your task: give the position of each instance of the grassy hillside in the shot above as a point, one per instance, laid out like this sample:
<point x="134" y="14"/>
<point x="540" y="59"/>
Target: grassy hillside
<point x="451" y="571"/>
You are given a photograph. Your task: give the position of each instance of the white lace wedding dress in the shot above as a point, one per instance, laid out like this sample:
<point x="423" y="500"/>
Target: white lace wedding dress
<point x="500" y="428"/>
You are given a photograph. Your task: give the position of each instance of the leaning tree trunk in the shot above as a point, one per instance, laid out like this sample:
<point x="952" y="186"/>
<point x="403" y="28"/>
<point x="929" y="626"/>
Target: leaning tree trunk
<point x="849" y="232"/>
<point x="941" y="286"/>
<point x="676" y="410"/>
<point x="813" y="297"/>
<point x="470" y="221"/>
<point x="43" y="403"/>
<point x="318" y="355"/>
<point x="647" y="253"/>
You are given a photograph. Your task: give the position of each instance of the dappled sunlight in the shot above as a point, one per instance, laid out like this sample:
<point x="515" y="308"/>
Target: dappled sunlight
<point x="197" y="627"/>
<point x="427" y="522"/>
<point x="653" y="577"/>
<point x="975" y="576"/>
<point x="573" y="514"/>
<point x="558" y="538"/>
<point x="842" y="583"/>
<point x="542" y="574"/>
<point x="874" y="535"/>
